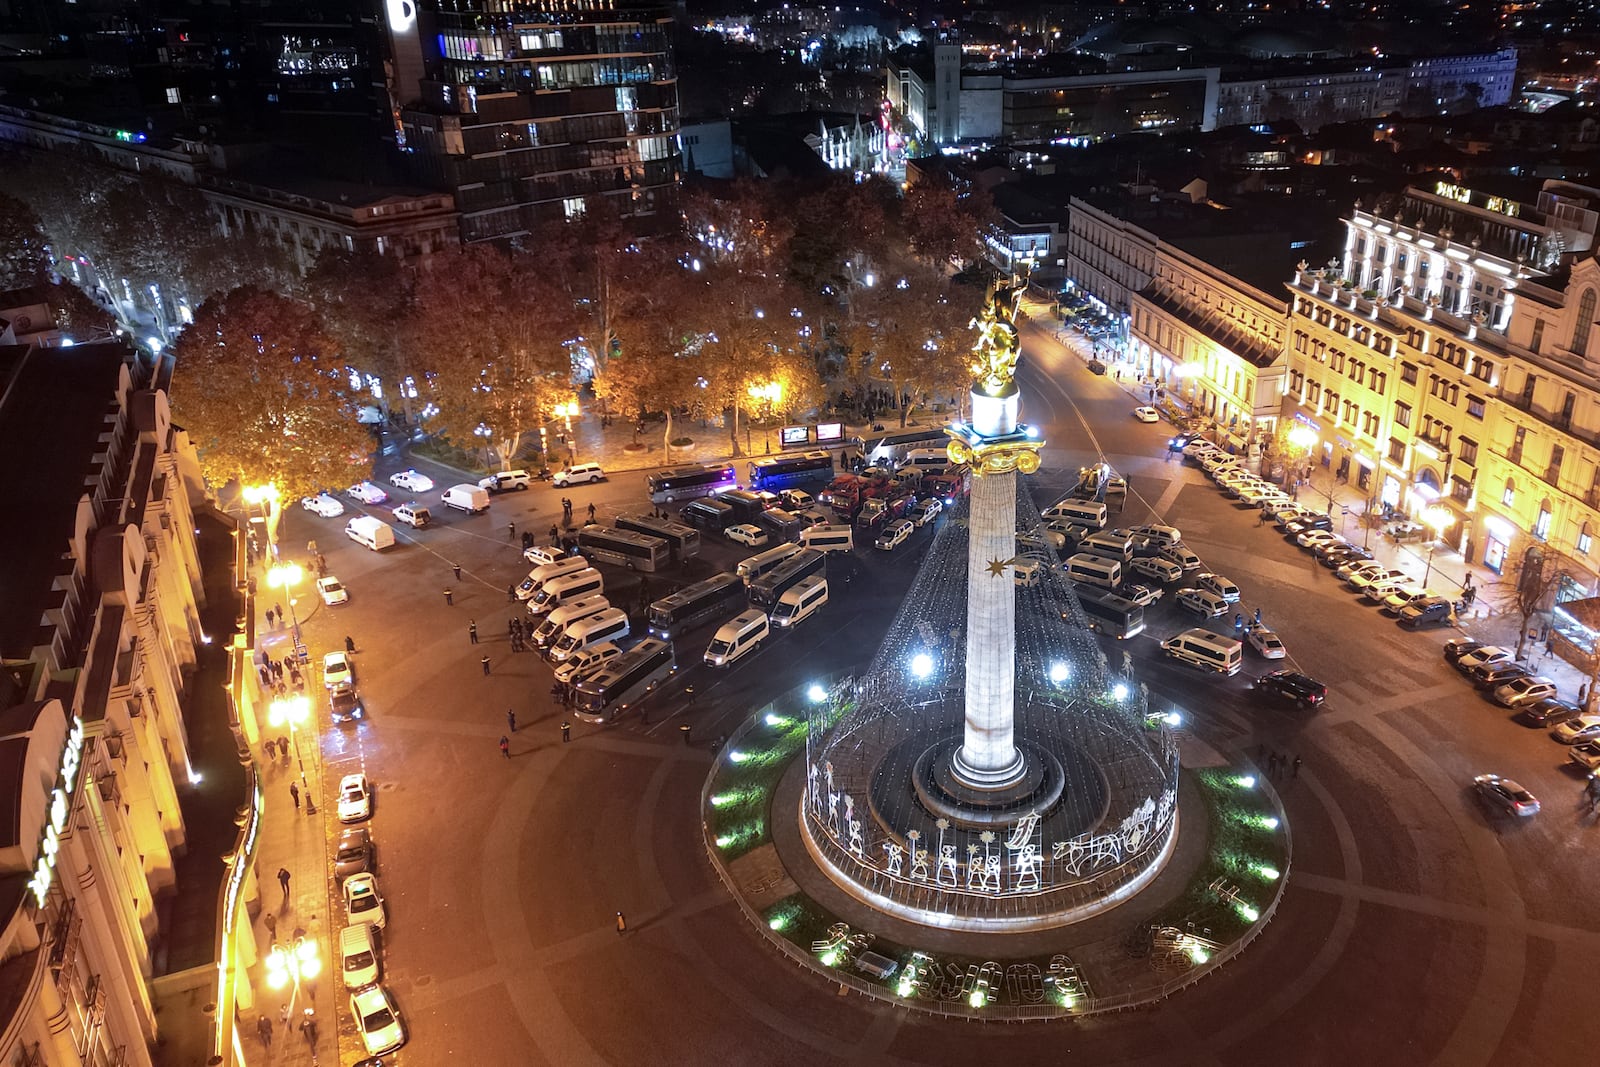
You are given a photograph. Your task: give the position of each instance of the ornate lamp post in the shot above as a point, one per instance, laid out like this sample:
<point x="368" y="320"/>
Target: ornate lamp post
<point x="285" y="576"/>
<point x="298" y="962"/>
<point x="1438" y="520"/>
<point x="266" y="498"/>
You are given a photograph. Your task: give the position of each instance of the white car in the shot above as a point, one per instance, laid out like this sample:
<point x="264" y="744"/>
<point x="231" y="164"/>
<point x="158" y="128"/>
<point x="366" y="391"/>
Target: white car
<point x="1147" y="414"/>
<point x="926" y="512"/>
<point x="378" y="1019"/>
<point x="411" y="481"/>
<point x="581" y="663"/>
<point x="895" y="534"/>
<point x="355" y="798"/>
<point x="367" y="493"/>
<point x="1266" y="642"/>
<point x="337" y="670"/>
<point x="323" y="504"/>
<point x="332" y="591"/>
<point x="362" y="903"/>
<point x="1363" y="580"/>
<point x="1161" y="570"/>
<point x="578" y="474"/>
<point x="1576" y="729"/>
<point x="1202" y="602"/>
<point x="1399" y="597"/>
<point x="1313" y="538"/>
<point x="1219" y="585"/>
<point x="1483" y="656"/>
<point x="1521" y="691"/>
<point x="747" y="534"/>
<point x="796" y="499"/>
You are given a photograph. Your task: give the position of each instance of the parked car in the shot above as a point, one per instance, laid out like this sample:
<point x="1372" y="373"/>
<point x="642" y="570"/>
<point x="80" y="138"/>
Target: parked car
<point x="1547" y="712"/>
<point x="332" y="592"/>
<point x="1361" y="580"/>
<point x="337" y="670"/>
<point x="578" y="474"/>
<point x="796" y="499"/>
<point x="927" y="511"/>
<point x="411" y="481"/>
<point x="377" y="1019"/>
<point x="1147" y="414"/>
<point x="1382" y="589"/>
<point x="1313" y="538"/>
<point x="354" y="854"/>
<point x="1482" y="654"/>
<point x="1292" y="687"/>
<point x="747" y="534"/>
<point x="1457" y="647"/>
<point x="1428" y="611"/>
<point x="344" y="704"/>
<point x="1586" y="755"/>
<point x="1156" y="568"/>
<point x="1202" y="602"/>
<point x="586" y="661"/>
<point x="1401" y="596"/>
<point x="1335" y="555"/>
<point x="1491" y="676"/>
<point x="355" y="798"/>
<point x="1584" y="727"/>
<point x="1265" y="642"/>
<point x="362" y="902"/>
<point x="505" y="481"/>
<point x="1297" y="526"/>
<point x="367" y="493"/>
<point x="1143" y="595"/>
<point x="1182" y="555"/>
<point x="324" y="505"/>
<point x="1521" y="691"/>
<point x="1219" y="585"/>
<point x="895" y="534"/>
<point x="1505" y="796"/>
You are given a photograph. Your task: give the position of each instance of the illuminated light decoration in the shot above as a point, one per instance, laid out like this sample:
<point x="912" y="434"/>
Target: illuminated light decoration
<point x="778" y="922"/>
<point x="1059" y="672"/>
<point x="1120" y="691"/>
<point x="1269" y="823"/>
<point x="736" y="756"/>
<point x="816" y="694"/>
<point x="1172" y="718"/>
<point x="776" y="720"/>
<point x="725" y="840"/>
<point x="1247" y="781"/>
<point x="922" y="665"/>
<point x="44" y="865"/>
<point x="723" y="799"/>
<point x="402" y="15"/>
<point x="1248" y="913"/>
<point x="1271" y="874"/>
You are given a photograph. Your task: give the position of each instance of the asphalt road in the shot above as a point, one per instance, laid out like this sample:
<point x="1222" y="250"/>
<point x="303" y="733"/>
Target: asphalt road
<point x="1414" y="929"/>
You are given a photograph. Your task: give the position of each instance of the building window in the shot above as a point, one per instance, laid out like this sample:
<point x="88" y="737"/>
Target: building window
<point x="1580" y="329"/>
<point x="1402" y="415"/>
<point x="173" y="95"/>
<point x="1408" y="373"/>
<point x="1538" y="336"/>
<point x="573" y="206"/>
<point x="1585" y="540"/>
<point x="1509" y="497"/>
<point x="1552" y="473"/>
<point x="1467" y="451"/>
<point x="1474" y="407"/>
<point x="1397" y="450"/>
<point x="1461" y="489"/>
<point x="1541" y="526"/>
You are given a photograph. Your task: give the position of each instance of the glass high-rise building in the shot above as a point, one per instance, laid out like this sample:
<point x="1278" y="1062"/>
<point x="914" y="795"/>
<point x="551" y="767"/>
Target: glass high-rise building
<point x="529" y="111"/>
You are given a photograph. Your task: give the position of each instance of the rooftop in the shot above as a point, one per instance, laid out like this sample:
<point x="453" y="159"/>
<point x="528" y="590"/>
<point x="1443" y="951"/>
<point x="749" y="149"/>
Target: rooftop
<point x="52" y="406"/>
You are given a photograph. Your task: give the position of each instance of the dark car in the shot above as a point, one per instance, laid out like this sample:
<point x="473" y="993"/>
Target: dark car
<point x="355" y="853"/>
<point x="1097" y="367"/>
<point x="1494" y="675"/>
<point x="1457" y="647"/>
<point x="1505" y="796"/>
<point x="1547" y="712"/>
<point x="1336" y="554"/>
<point x="344" y="704"/>
<point x="1312" y="522"/>
<point x="1293" y="687"/>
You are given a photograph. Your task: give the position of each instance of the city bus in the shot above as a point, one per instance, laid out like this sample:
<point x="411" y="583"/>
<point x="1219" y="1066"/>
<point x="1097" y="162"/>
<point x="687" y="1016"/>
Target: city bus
<point x="685" y="483"/>
<point x="624" y="548"/>
<point x="683" y="540"/>
<point x="785" y="472"/>
<point x="718" y="596"/>
<point x="624" y="681"/>
<point x="765" y="590"/>
<point x="1110" y="614"/>
<point x="890" y="450"/>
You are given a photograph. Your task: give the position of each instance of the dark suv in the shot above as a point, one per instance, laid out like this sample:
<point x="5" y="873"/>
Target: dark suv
<point x="1547" y="712"/>
<point x="1293" y="688"/>
<point x="344" y="704"/>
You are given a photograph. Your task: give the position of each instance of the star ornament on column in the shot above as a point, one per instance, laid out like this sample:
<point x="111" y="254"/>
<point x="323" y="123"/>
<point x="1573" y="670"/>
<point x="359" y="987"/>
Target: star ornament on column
<point x="997" y="567"/>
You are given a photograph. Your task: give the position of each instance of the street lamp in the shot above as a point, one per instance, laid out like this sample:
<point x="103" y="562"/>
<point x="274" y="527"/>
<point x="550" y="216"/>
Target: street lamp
<point x="291" y="713"/>
<point x="1438" y="520"/>
<point x="266" y="498"/>
<point x="768" y="395"/>
<point x="285" y="576"/>
<point x="300" y="962"/>
<point x="568" y="411"/>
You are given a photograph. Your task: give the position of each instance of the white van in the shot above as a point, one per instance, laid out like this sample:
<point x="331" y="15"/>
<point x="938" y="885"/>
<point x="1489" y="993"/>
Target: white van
<point x="737" y="636"/>
<point x="925" y="459"/>
<point x="529" y="587"/>
<point x="608" y="625"/>
<point x="1095" y="570"/>
<point x="1204" y="649"/>
<point x="1090" y="513"/>
<point x="550" y="629"/>
<point x="366" y="530"/>
<point x="762" y="562"/>
<point x="473" y="499"/>
<point x="1027" y="572"/>
<point x="565" y="589"/>
<point x="1107" y="543"/>
<point x="829" y="538"/>
<point x="1161" y="536"/>
<point x="413" y="515"/>
<point x="539" y="555"/>
<point x="358" y="955"/>
<point x="800" y="600"/>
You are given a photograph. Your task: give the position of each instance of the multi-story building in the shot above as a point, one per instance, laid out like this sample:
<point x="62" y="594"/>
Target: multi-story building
<point x="97" y="652"/>
<point x="1446" y="360"/>
<point x="530" y="116"/>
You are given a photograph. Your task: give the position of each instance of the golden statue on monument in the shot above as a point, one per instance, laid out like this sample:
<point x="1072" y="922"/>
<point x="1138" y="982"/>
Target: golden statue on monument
<point x="994" y="354"/>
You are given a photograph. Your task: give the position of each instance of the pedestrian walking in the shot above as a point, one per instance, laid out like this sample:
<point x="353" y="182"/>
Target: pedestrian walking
<point x="622" y="924"/>
<point x="294" y="791"/>
<point x="265" y="675"/>
<point x="449" y="600"/>
<point x="555" y="533"/>
<point x="511" y="720"/>
<point x="511" y="593"/>
<point x="269" y="618"/>
<point x="1272" y="765"/>
<point x="1258" y="616"/>
<point x="485" y="662"/>
<point x="308" y="1027"/>
<point x="511" y="531"/>
<point x="472" y="631"/>
<point x="1297" y="762"/>
<point x="349" y="643"/>
<point x="566" y="733"/>
<point x="278" y="608"/>
<point x="457" y="568"/>
<point x="591" y="512"/>
<point x="283" y="750"/>
<point x="264" y="1030"/>
<point x="283" y="880"/>
<point x="1238" y="623"/>
<point x="505" y="746"/>
<point x="283" y="1016"/>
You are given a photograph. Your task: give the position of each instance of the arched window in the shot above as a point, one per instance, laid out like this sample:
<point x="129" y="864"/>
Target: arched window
<point x="1580" y="329"/>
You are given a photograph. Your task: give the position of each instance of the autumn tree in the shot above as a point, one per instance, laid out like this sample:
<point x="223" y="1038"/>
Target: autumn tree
<point x="496" y="329"/>
<point x="365" y="302"/>
<point x="1533" y="586"/>
<point x="24" y="257"/>
<point x="944" y="219"/>
<point x="78" y="316"/>
<point x="263" y="393"/>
